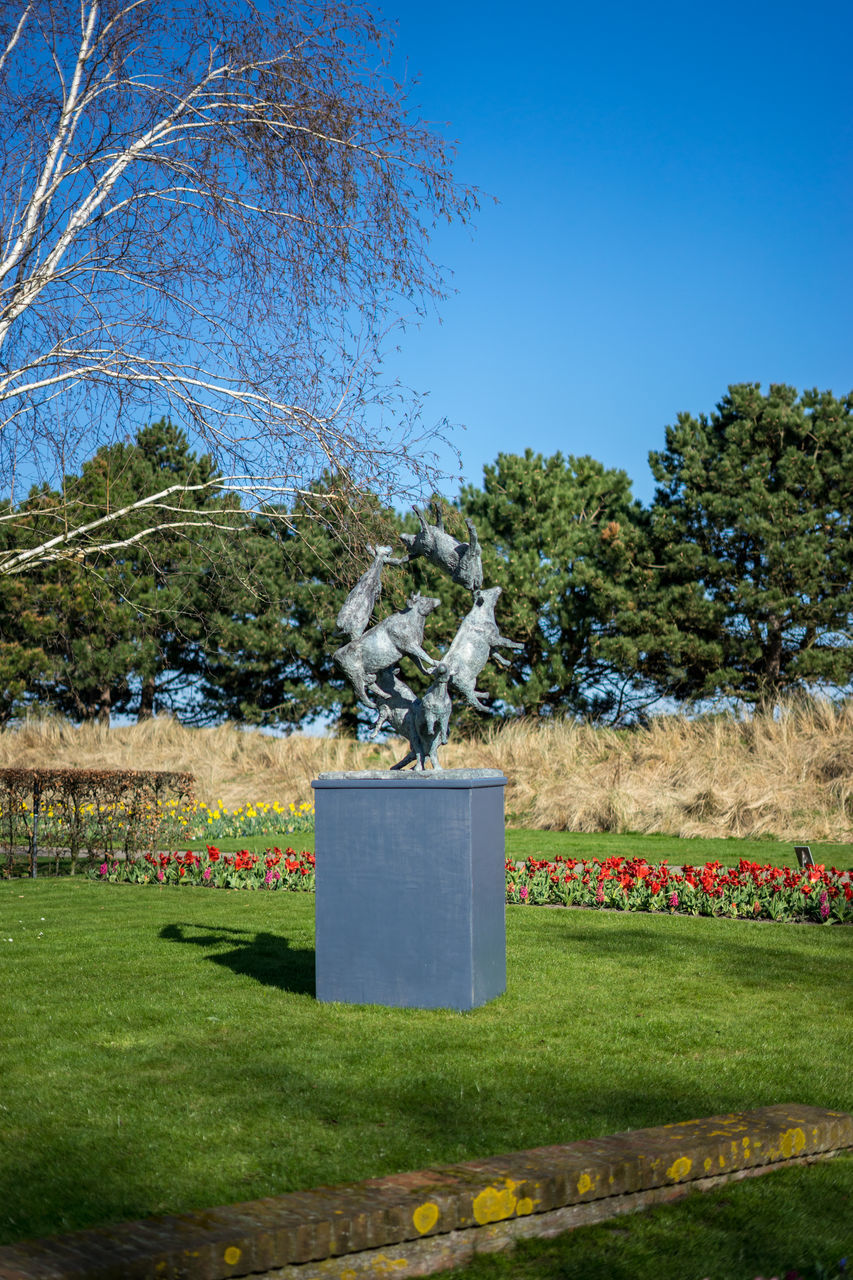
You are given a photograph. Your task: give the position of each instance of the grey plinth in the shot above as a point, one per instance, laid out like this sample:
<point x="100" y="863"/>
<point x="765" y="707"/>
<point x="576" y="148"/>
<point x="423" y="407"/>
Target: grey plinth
<point x="410" y="888"/>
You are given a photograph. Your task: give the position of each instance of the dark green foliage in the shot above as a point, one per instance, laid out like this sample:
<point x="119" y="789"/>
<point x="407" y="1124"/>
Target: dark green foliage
<point x="219" y="613"/>
<point x="562" y="537"/>
<point x="753" y="547"/>
<point x="271" y="627"/>
<point x="23" y="625"/>
<point x="736" y="583"/>
<point x="123" y="627"/>
<point x="263" y="642"/>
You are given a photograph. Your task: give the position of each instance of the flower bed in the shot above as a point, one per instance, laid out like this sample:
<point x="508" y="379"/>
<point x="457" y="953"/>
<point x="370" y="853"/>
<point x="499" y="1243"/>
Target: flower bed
<point x="169" y="820"/>
<point x="748" y="891"/>
<point x="250" y="819"/>
<point x="215" y="870"/>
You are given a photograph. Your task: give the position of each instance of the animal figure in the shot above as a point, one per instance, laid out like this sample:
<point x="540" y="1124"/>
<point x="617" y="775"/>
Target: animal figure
<point x="358" y="607"/>
<point x="394" y="699"/>
<point x="423" y="721"/>
<point x="384" y="645"/>
<point x="436" y="705"/>
<point x="462" y="560"/>
<point x="472" y="646"/>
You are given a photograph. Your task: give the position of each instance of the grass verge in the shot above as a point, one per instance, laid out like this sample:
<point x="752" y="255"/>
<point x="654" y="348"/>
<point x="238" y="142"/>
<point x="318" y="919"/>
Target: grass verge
<point x="675" y="849"/>
<point x="524" y="843"/>
<point x="161" y="1049"/>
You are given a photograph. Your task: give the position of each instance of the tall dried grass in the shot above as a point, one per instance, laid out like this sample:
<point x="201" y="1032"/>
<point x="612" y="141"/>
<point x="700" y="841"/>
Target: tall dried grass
<point x="788" y="776"/>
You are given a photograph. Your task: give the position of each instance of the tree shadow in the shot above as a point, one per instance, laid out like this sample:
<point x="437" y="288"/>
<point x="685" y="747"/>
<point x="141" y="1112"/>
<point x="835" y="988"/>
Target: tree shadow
<point x="267" y="957"/>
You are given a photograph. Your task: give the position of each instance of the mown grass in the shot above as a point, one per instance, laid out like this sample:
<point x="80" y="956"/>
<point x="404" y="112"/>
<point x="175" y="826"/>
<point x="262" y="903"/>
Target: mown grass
<point x="673" y="849"/>
<point x="654" y="848"/>
<point x="161" y="1049"/>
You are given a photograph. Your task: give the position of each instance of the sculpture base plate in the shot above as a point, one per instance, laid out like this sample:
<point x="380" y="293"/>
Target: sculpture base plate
<point x="410" y="887"/>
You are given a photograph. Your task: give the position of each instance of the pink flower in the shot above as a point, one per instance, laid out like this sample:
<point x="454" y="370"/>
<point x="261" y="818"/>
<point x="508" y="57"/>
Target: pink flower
<point x="103" y="868"/>
<point x="673" y="900"/>
<point x="161" y="875"/>
<point x="206" y="873"/>
<point x="522" y="893"/>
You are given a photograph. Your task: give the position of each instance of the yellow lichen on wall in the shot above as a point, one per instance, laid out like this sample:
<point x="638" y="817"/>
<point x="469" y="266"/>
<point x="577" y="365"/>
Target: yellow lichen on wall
<point x="494" y="1204"/>
<point x="679" y="1169"/>
<point x="380" y="1265"/>
<point x="792" y="1142"/>
<point x="425" y="1217"/>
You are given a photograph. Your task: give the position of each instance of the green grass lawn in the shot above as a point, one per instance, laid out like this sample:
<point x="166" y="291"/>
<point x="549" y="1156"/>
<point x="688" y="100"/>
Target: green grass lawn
<point x="545" y="844"/>
<point x="161" y="1049"/>
<point x="526" y="843"/>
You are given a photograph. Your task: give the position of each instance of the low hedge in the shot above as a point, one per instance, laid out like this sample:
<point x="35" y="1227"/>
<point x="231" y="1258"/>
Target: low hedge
<point x="92" y="809"/>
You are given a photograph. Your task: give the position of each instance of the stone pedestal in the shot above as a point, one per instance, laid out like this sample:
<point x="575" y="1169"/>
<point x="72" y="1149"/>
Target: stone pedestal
<point x="410" y="888"/>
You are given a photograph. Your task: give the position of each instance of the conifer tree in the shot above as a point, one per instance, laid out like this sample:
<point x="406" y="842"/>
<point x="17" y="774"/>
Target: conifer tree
<point x="271" y="630"/>
<point x="561" y="537"/>
<point x="752" y="548"/>
<point x="123" y="630"/>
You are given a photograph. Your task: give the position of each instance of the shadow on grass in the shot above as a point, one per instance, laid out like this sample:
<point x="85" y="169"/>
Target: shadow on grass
<point x="266" y="957"/>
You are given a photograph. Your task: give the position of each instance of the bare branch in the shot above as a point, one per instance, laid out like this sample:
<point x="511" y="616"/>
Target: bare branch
<point x="219" y="212"/>
<point x="81" y="540"/>
<point x="15" y="37"/>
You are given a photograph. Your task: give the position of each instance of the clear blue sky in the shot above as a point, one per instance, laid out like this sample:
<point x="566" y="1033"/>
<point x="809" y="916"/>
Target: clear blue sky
<point x="675" y="187"/>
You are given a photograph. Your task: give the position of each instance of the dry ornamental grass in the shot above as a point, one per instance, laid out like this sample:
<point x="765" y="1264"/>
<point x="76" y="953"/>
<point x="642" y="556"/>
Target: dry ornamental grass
<point x="787" y="776"/>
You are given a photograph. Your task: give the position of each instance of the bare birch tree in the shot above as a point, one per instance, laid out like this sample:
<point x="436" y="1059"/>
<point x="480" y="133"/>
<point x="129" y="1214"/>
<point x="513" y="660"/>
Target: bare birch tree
<point x="216" y="211"/>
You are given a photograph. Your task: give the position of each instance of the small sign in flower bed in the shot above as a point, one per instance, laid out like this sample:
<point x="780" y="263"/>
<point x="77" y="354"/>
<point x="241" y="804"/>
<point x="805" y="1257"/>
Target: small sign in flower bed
<point x="746" y="892"/>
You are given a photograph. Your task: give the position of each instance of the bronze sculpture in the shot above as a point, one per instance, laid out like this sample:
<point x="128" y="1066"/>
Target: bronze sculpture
<point x="461" y="560"/>
<point x="370" y="660"/>
<point x="384" y="645"/>
<point x="362" y="600"/>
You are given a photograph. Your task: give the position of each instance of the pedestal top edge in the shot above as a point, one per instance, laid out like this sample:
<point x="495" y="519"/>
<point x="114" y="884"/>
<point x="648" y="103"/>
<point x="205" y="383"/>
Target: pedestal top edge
<point x="421" y="778"/>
